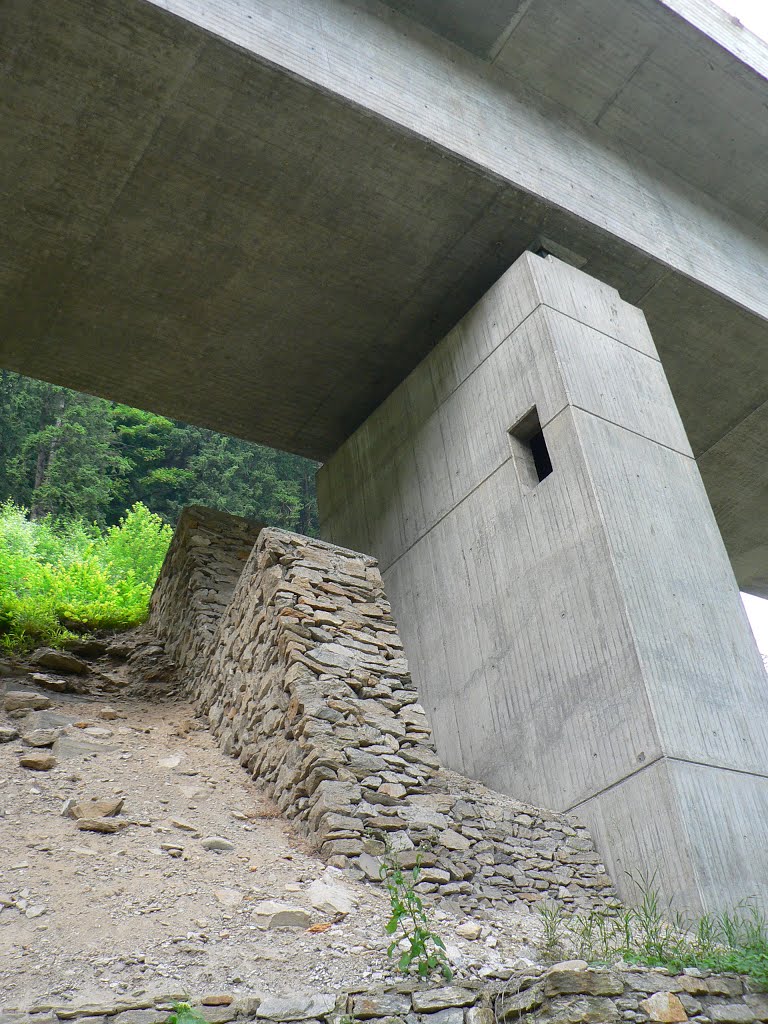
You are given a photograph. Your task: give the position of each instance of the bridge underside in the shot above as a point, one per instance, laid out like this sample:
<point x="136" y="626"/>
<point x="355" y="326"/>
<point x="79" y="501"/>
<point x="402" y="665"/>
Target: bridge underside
<point x="191" y="228"/>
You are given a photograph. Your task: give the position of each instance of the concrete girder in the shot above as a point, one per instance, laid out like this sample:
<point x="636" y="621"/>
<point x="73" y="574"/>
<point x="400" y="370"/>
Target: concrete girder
<point x="259" y="217"/>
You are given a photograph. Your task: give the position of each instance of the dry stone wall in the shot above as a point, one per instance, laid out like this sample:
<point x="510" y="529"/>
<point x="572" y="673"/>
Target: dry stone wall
<point x="564" y="993"/>
<point x="293" y="655"/>
<point x="203" y="564"/>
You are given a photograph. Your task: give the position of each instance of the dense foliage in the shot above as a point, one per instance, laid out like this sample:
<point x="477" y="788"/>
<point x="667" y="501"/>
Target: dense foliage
<point x="72" y="456"/>
<point x="71" y="558"/>
<point x="58" y="578"/>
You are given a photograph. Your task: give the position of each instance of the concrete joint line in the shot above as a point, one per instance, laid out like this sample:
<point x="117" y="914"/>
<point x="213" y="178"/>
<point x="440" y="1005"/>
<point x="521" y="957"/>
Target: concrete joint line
<point x="719" y="767"/>
<point x="485" y="358"/>
<point x="504" y="36"/>
<point x="730" y="430"/>
<point x="611" y="337"/>
<point x="662" y="757"/>
<point x="516" y="328"/>
<point x="445" y="515"/>
<point x="612" y="99"/>
<point x="617" y="782"/>
<point x="510" y="457"/>
<point x="629" y="430"/>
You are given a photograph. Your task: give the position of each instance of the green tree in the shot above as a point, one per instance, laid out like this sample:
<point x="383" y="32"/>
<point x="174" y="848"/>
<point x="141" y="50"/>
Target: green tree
<point x="69" y="455"/>
<point x="256" y="482"/>
<point x="157" y="451"/>
<point x="77" y="467"/>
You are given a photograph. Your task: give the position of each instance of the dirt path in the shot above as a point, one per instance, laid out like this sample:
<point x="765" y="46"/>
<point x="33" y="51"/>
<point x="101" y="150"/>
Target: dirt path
<point x="148" y="909"/>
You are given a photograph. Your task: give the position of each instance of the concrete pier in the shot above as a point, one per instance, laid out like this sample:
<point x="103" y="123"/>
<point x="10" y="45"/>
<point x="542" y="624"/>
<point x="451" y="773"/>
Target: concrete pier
<point x="567" y="604"/>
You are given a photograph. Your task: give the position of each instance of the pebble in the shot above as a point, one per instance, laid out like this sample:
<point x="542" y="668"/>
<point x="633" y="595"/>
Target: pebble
<point x="185" y="826"/>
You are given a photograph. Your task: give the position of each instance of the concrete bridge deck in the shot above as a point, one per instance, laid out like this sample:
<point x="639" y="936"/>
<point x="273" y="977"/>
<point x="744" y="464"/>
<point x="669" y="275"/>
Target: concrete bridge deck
<point x="259" y="216"/>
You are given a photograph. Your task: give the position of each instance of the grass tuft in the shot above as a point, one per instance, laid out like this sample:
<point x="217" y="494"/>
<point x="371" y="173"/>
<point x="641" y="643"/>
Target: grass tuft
<point x="734" y="941"/>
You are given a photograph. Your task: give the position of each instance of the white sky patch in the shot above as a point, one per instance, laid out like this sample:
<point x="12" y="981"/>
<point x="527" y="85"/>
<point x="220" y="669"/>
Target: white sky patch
<point x="757" y="613"/>
<point x="753" y="14"/>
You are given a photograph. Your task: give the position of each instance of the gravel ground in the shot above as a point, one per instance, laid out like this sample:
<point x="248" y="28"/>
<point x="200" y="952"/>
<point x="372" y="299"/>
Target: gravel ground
<point x="148" y="909"/>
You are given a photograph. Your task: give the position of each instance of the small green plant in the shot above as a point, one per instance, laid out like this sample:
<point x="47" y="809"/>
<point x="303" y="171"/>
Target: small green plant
<point x="183" y="1013"/>
<point x="424" y="949"/>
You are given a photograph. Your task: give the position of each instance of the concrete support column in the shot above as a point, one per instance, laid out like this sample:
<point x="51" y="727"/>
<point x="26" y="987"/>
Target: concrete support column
<point x="566" y="602"/>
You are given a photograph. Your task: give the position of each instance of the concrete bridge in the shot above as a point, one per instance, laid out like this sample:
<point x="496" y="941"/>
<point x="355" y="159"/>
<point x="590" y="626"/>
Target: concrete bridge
<point x="263" y="215"/>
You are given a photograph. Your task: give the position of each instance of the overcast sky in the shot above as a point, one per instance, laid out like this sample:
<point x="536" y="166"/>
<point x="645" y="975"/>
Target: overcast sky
<point x="753" y="14"/>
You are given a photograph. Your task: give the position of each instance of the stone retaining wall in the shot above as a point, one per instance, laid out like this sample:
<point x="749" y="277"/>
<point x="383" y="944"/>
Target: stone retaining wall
<point x="307" y="685"/>
<point x="565" y="993"/>
<point x="300" y="670"/>
<point x="203" y="564"/>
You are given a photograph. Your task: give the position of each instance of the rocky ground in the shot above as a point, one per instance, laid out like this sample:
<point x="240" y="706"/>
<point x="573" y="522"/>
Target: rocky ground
<point x="167" y="883"/>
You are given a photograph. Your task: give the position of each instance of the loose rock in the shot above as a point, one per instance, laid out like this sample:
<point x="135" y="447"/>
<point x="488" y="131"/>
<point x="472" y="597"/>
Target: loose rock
<point x="665" y="1008"/>
<point x="18" y="700"/>
<point x="281" y="915"/>
<point x="217" y="844"/>
<point x="331" y="896"/>
<point x="96" y="808"/>
<point x="38" y="762"/>
<point x="99" y="825"/>
<point x="40" y="737"/>
<point x="60" y="661"/>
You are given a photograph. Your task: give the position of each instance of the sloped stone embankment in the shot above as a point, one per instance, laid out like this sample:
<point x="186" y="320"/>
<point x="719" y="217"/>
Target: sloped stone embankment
<point x="292" y="653"/>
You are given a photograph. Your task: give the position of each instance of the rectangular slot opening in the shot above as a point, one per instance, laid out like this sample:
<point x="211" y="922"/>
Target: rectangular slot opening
<point x="532" y="457"/>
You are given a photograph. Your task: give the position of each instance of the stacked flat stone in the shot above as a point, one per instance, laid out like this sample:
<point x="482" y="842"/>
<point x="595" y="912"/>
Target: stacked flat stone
<point x="304" y="680"/>
<point x="203" y="564"/>
<point x="573" y="992"/>
<point x="565" y="993"/>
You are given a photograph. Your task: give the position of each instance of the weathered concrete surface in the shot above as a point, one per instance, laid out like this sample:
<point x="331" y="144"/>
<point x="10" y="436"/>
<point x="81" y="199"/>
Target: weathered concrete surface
<point x="203" y="201"/>
<point x="590" y="621"/>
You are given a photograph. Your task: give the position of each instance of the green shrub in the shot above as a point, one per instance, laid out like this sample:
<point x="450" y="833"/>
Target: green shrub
<point x="58" y="578"/>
